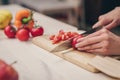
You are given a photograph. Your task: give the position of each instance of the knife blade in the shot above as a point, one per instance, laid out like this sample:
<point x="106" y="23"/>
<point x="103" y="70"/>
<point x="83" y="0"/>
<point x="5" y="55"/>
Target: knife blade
<point x="67" y="43"/>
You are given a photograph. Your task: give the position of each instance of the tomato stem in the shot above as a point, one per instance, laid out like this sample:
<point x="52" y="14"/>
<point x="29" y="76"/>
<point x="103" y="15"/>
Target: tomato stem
<point x="26" y="20"/>
<point x="13" y="63"/>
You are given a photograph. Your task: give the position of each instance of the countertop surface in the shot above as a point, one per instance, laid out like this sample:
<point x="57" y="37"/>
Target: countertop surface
<point x="34" y="63"/>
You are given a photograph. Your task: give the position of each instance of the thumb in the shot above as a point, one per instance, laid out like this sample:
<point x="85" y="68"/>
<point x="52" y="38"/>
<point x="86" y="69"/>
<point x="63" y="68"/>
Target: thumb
<point x="99" y="23"/>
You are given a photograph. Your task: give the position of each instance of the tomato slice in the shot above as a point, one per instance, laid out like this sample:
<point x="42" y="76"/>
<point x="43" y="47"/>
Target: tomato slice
<point x="56" y="40"/>
<point x="61" y="32"/>
<point x="51" y="37"/>
<point x="69" y="34"/>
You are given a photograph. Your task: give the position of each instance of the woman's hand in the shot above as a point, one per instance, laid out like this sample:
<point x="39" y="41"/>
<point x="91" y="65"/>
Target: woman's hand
<point x="101" y="42"/>
<point x="109" y="20"/>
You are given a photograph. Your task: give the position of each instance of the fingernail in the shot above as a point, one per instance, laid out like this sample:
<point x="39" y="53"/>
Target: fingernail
<point x="76" y="45"/>
<point x="94" y="26"/>
<point x="80" y="49"/>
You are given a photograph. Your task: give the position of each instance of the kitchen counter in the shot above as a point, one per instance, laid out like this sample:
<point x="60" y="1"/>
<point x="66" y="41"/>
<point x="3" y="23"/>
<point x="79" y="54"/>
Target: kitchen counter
<point x="34" y="63"/>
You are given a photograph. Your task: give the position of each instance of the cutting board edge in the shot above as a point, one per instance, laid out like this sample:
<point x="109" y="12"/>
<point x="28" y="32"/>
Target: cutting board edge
<point x="82" y="65"/>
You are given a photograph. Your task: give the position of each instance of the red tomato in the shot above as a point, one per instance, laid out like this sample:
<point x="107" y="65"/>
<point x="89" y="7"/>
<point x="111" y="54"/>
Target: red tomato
<point x="37" y="31"/>
<point x="61" y="31"/>
<point x="51" y="37"/>
<point x="10" y="32"/>
<point x="74" y="34"/>
<point x="69" y="34"/>
<point x="56" y="40"/>
<point x="22" y="34"/>
<point x="75" y="40"/>
<point x="59" y="37"/>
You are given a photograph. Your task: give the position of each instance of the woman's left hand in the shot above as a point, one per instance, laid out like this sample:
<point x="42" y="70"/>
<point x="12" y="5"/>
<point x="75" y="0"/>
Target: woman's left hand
<point x="101" y="42"/>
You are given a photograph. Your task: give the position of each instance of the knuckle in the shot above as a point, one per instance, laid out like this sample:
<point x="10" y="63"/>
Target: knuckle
<point x="116" y="22"/>
<point x="89" y="47"/>
<point x="117" y="8"/>
<point x="106" y="44"/>
<point x="103" y="18"/>
<point x="102" y="21"/>
<point x="106" y="37"/>
<point x="88" y="41"/>
<point x="104" y="30"/>
<point x="100" y="17"/>
<point x="86" y="47"/>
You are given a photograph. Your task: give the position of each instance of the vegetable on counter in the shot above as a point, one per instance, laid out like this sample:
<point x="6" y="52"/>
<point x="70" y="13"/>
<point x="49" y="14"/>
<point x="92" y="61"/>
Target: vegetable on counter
<point x="7" y="72"/>
<point x="23" y="34"/>
<point x="23" y="27"/>
<point x="10" y="31"/>
<point x="5" y="18"/>
<point x="24" y="18"/>
<point x="37" y="31"/>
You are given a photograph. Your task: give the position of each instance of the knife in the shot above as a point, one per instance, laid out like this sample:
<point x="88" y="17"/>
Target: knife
<point x="67" y="43"/>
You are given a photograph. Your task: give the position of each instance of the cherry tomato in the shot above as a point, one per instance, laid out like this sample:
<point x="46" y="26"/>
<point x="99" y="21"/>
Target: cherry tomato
<point x="22" y="34"/>
<point x="37" y="31"/>
<point x="10" y="32"/>
<point x="74" y="41"/>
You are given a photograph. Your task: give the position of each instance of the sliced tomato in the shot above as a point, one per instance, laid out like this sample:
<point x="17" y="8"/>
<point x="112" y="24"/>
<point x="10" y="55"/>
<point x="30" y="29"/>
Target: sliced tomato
<point x="62" y="36"/>
<point x="51" y="37"/>
<point x="65" y="37"/>
<point x="69" y="34"/>
<point x="55" y="40"/>
<point x="74" y="34"/>
<point x="59" y="36"/>
<point x="61" y="32"/>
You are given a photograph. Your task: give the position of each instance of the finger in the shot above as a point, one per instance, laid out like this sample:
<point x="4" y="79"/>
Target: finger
<point x="112" y="24"/>
<point x="89" y="41"/>
<point x="97" y="33"/>
<point x="91" y="47"/>
<point x="100" y="17"/>
<point x="101" y="22"/>
<point x="89" y="36"/>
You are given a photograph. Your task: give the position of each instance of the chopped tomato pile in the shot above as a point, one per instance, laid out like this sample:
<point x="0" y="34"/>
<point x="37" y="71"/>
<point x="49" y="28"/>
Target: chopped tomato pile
<point x="62" y="36"/>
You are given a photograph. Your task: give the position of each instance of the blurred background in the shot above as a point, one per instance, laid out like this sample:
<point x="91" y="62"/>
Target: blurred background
<point x="80" y="13"/>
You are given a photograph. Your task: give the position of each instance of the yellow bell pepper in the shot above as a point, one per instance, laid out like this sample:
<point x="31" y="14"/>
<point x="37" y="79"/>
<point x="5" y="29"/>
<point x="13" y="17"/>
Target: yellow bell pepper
<point x="5" y="18"/>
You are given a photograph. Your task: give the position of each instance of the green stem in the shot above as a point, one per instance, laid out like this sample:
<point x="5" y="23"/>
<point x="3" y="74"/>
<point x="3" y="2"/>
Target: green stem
<point x="26" y="20"/>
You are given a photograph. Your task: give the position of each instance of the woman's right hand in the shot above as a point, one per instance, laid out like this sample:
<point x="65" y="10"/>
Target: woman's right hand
<point x="110" y="19"/>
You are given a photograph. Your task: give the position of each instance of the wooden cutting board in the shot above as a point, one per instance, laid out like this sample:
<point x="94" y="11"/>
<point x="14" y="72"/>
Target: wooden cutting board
<point x="76" y="57"/>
